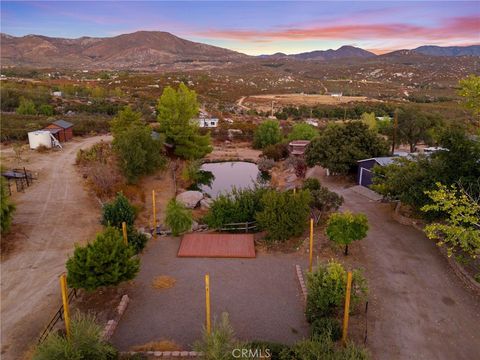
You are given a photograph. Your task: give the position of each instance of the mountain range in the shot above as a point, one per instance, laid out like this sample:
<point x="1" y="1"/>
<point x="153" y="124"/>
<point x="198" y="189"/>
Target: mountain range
<point x="154" y="49"/>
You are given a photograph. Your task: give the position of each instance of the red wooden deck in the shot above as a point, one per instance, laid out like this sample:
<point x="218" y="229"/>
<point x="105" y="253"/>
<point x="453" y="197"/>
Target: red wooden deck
<point x="217" y="245"/>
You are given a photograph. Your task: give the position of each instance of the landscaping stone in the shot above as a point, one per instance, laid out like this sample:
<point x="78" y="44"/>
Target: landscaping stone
<point x="190" y="198"/>
<point x="206" y="203"/>
<point x="195" y="226"/>
<point x="291" y="178"/>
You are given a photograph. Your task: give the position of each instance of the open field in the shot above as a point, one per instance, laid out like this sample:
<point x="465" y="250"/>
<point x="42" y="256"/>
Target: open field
<point x="264" y="102"/>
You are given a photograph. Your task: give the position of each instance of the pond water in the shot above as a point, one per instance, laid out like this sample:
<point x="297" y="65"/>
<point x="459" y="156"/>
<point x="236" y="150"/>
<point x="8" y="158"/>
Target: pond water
<point x="226" y="175"/>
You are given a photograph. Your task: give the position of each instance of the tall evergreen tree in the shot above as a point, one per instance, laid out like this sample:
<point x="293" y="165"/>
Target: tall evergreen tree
<point x="138" y="151"/>
<point x="176" y="109"/>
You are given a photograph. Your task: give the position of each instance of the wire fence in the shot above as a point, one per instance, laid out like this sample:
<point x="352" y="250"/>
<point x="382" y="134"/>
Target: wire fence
<point x="56" y="318"/>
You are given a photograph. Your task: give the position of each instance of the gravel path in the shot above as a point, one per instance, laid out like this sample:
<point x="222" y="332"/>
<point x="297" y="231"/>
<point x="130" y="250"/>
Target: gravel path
<point x="51" y="216"/>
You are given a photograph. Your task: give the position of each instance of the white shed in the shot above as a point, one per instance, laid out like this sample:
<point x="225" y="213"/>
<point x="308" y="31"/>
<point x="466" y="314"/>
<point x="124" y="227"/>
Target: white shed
<point x="39" y="138"/>
<point x="208" y="122"/>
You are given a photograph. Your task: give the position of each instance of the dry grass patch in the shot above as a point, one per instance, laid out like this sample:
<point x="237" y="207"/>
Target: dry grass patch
<point x="162" y="345"/>
<point x="163" y="282"/>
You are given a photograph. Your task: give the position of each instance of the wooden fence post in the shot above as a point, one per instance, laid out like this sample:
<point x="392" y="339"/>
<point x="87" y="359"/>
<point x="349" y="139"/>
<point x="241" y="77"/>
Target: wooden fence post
<point x="207" y="303"/>
<point x="154" y="209"/>
<point x="66" y="311"/>
<point x="346" y="313"/>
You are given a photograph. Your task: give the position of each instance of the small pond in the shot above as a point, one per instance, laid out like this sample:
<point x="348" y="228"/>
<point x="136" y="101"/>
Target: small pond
<point x="226" y="175"/>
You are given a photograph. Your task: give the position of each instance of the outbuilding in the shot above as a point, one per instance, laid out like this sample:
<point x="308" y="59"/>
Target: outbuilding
<point x="62" y="130"/>
<point x="298" y="147"/>
<point x="205" y="122"/>
<point x="365" y="174"/>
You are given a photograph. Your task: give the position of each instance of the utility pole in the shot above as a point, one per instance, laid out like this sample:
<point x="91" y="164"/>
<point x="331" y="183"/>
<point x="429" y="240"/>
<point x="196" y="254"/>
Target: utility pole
<point x="395" y="126"/>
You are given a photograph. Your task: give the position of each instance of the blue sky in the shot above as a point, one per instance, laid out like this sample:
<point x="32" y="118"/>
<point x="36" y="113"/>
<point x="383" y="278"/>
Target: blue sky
<point x="258" y="27"/>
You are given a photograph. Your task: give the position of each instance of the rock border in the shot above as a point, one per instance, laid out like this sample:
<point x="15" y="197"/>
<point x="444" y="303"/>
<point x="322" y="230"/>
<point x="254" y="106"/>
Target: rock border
<point x="301" y="280"/>
<point x="458" y="270"/>
<point x="403" y="219"/>
<point x="233" y="159"/>
<point x="112" y="324"/>
<point x="165" y="354"/>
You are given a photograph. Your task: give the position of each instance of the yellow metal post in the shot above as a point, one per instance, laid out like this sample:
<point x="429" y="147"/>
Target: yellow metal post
<point x="124" y="231"/>
<point x="154" y="209"/>
<point x="207" y="303"/>
<point x="295" y="190"/>
<point x="66" y="311"/>
<point x="311" y="246"/>
<point x="346" y="314"/>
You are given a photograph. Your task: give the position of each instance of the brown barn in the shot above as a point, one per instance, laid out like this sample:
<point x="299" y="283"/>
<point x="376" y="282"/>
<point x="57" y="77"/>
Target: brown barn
<point x="61" y="129"/>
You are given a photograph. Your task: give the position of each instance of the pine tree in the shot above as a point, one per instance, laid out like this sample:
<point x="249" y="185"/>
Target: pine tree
<point x="176" y="109"/>
<point x="139" y="153"/>
<point x="118" y="211"/>
<point x="107" y="261"/>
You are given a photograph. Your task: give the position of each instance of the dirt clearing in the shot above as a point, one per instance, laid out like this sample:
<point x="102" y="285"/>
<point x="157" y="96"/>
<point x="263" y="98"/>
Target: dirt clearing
<point x="264" y="102"/>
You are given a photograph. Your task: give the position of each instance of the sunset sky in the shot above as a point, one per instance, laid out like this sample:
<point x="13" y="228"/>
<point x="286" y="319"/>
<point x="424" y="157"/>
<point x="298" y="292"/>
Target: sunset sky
<point x="258" y="27"/>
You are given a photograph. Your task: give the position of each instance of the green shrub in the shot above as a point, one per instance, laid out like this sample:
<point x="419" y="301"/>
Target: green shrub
<point x="326" y="290"/>
<point x="104" y="262"/>
<point x="267" y="133"/>
<point x="136" y="239"/>
<point x="323" y="348"/>
<point x="275" y="349"/>
<point x="325" y="200"/>
<point x="26" y="107"/>
<point x="46" y="110"/>
<point x="85" y="343"/>
<point x="302" y="131"/>
<point x="311" y="184"/>
<point x="240" y="205"/>
<point x="345" y="228"/>
<point x="178" y="218"/>
<point x="327" y="325"/>
<point x="195" y="176"/>
<point x="118" y="211"/>
<point x="284" y="214"/>
<point x="8" y="208"/>
<point x="191" y="171"/>
<point x="219" y="344"/>
<point x="276" y="151"/>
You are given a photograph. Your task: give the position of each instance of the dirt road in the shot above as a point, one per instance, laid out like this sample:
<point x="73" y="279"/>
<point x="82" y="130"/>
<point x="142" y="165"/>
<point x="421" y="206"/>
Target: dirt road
<point x="418" y="308"/>
<point x="51" y="216"/>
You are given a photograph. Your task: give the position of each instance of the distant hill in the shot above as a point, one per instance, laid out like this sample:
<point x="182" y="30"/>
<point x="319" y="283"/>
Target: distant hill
<point x="341" y="53"/>
<point x="141" y="49"/>
<point x="152" y="50"/>
<point x="431" y="50"/>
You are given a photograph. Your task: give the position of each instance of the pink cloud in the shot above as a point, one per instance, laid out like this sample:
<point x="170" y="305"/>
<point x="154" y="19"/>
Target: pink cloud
<point x="455" y="28"/>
